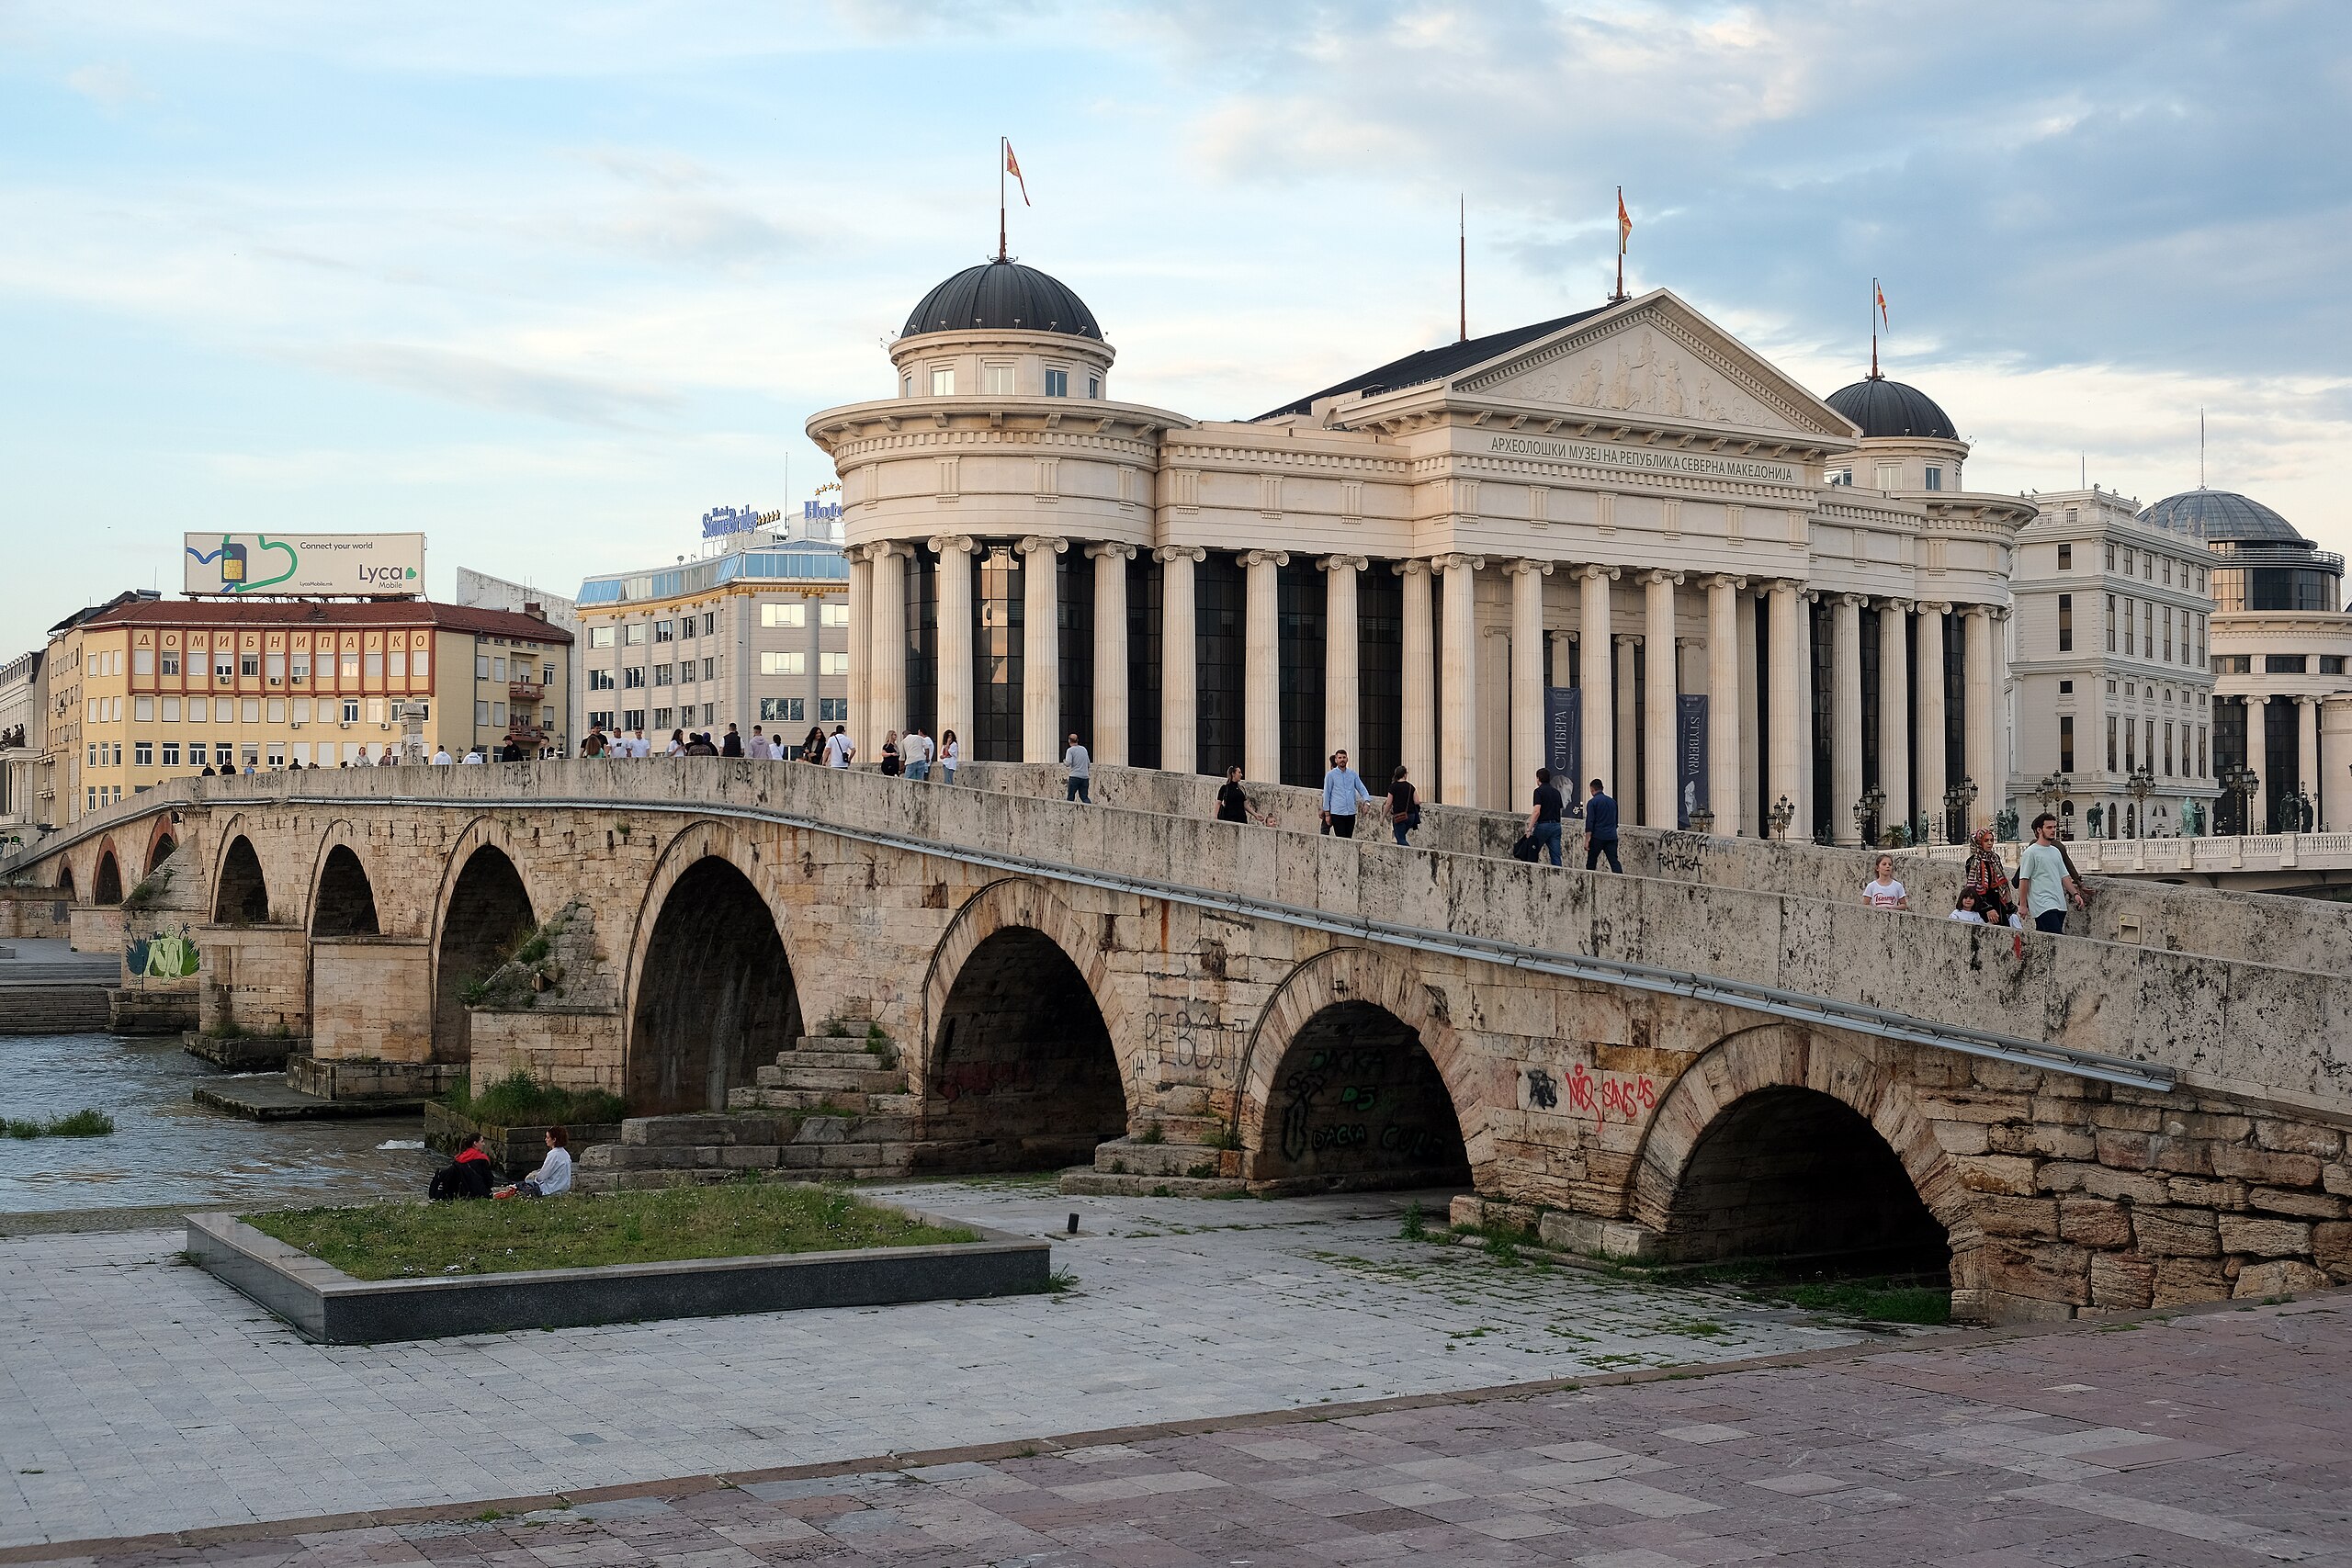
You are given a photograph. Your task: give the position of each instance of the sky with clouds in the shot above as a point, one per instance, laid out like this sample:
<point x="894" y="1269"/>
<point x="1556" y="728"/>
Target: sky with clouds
<point x="546" y="282"/>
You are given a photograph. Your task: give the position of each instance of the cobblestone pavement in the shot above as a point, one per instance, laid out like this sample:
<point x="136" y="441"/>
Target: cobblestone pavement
<point x="2216" y="1439"/>
<point x="138" y="1394"/>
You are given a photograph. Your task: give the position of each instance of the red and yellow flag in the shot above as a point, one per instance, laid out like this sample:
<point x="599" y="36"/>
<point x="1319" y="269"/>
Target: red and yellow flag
<point x="1882" y="305"/>
<point x="1625" y="221"/>
<point x="1013" y="168"/>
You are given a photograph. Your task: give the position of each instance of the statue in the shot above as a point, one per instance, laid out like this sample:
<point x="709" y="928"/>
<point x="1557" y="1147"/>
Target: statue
<point x="2192" y="819"/>
<point x="2094" y="818"/>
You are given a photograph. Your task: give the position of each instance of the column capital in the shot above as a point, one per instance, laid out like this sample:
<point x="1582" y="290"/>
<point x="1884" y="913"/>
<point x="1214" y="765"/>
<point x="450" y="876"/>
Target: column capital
<point x="1051" y="544"/>
<point x="1656" y="575"/>
<point x="1938" y="607"/>
<point x="1457" y="562"/>
<point x="1852" y="601"/>
<point x="1726" y="579"/>
<point x="1104" y="550"/>
<point x="1628" y="639"/>
<point x="1180" y="552"/>
<point x="881" y="550"/>
<point x="1413" y="567"/>
<point x="943" y="543"/>
<point x="1539" y="568"/>
<point x="1593" y="571"/>
<point x="1265" y="557"/>
<point x="1343" y="563"/>
<point x="1896" y="606"/>
<point x="1983" y="610"/>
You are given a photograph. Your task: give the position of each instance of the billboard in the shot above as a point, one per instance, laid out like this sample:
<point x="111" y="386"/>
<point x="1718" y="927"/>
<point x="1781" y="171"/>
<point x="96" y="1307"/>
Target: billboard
<point x="362" y="566"/>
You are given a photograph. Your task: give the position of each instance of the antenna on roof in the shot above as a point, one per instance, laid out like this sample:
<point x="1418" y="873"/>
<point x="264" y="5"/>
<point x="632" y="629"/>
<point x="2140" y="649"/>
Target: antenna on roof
<point x="1462" y="240"/>
<point x="2200" y="448"/>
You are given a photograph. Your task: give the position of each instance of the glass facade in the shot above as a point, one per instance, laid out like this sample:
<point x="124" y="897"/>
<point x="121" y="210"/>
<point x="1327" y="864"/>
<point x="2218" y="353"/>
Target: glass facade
<point x="1219" y="585"/>
<point x="1143" y="661"/>
<point x="996" y="659"/>
<point x="1380" y="674"/>
<point x="921" y="575"/>
<point x="1301" y="600"/>
<point x="1074" y="623"/>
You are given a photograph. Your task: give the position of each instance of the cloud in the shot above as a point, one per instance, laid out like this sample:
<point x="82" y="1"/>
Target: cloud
<point x="111" y="87"/>
<point x="452" y="376"/>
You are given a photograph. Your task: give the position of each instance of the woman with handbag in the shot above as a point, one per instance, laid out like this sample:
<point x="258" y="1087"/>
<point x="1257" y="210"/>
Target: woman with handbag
<point x="1404" y="805"/>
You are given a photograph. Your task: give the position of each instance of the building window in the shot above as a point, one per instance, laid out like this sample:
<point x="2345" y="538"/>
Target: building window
<point x="172" y="710"/>
<point x="171" y="753"/>
<point x="773" y="615"/>
<point x="482" y="711"/>
<point x="1840" y="477"/>
<point x="277" y="754"/>
<point x="2110" y="743"/>
<point x="1057" y="383"/>
<point x="301" y="710"/>
<point x="600" y="636"/>
<point x="662" y="673"/>
<point x="2127" y="561"/>
<point x="601" y="719"/>
<point x="143" y="661"/>
<point x="943" y="380"/>
<point x="351" y="665"/>
<point x="2066" y="743"/>
<point x="710" y="668"/>
<point x="663" y="718"/>
<point x="250" y="710"/>
<point x="789" y="663"/>
<point x="373" y="662"/>
<point x="633" y="677"/>
<point x="832" y="615"/>
<point x="709" y="622"/>
<point x="906" y="385"/>
<point x="2065" y="688"/>
<point x="142" y="707"/>
<point x="664" y="631"/>
<point x="2110" y="623"/>
<point x="1935" y="477"/>
<point x="1095" y="386"/>
<point x="351" y="712"/>
<point x="301" y="667"/>
<point x="2168" y="571"/>
<point x="2283" y="664"/>
<point x="170" y="661"/>
<point x="277" y="710"/>
<point x="416" y="665"/>
<point x="2111" y="558"/>
<point x="600" y="679"/>
<point x="783" y="710"/>
<point x="2168" y="748"/>
<point x="833" y="665"/>
<point x="498" y="712"/>
<point x="997" y="380"/>
<point x="634" y="718"/>
<point x="481" y="666"/>
<point x="634" y="634"/>
<point x="2065" y="623"/>
<point x="249" y="665"/>
<point x="2330" y="664"/>
<point x="833" y="710"/>
<point x="497" y="670"/>
<point x="2065" y="552"/>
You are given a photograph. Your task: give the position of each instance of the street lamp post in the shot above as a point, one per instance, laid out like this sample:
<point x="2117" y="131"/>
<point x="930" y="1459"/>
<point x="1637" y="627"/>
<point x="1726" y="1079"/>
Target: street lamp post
<point x="2141" y="785"/>
<point x="1957" y="800"/>
<point x="1784" y="811"/>
<point x="2242" y="782"/>
<point x="1866" y="810"/>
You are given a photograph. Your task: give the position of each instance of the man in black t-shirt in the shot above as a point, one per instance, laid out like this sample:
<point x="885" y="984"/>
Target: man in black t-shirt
<point x="1543" y="821"/>
<point x="1233" y="802"/>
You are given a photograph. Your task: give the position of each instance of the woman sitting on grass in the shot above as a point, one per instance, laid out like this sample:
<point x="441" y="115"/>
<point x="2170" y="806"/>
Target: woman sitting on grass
<point x="466" y="1177"/>
<point x="553" y="1176"/>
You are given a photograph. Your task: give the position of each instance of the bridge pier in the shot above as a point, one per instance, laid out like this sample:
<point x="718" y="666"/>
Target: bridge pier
<point x="255" y="979"/>
<point x="371" y="999"/>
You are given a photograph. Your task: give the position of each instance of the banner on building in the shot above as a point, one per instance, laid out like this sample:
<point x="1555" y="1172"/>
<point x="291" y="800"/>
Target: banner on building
<point x="1689" y="758"/>
<point x="348" y="566"/>
<point x="1564" y="738"/>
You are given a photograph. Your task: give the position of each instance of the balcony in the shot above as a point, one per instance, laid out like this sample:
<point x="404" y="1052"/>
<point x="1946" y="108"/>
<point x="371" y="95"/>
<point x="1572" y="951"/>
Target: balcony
<point x="524" y="691"/>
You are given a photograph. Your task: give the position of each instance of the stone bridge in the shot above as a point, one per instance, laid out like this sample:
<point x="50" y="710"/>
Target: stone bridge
<point x="1723" y="1056"/>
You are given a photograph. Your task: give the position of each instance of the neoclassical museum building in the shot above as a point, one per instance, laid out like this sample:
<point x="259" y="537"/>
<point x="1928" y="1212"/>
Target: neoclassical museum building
<point x="1619" y="542"/>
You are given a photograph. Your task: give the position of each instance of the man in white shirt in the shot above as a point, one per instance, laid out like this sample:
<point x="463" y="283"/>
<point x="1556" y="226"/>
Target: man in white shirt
<point x="914" y="749"/>
<point x="474" y="758"/>
<point x="839" y="753"/>
<point x="638" y="747"/>
<point x="441" y="758"/>
<point x="1082" y="774"/>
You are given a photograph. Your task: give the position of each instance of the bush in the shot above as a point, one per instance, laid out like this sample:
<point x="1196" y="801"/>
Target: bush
<point x="77" y="1125"/>
<point x="518" y="1099"/>
<point x="1223" y="1138"/>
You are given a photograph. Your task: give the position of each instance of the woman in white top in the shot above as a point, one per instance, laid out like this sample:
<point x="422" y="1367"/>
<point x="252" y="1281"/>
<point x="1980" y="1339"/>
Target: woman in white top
<point x="553" y="1176"/>
<point x="951" y="753"/>
<point x="1883" y="891"/>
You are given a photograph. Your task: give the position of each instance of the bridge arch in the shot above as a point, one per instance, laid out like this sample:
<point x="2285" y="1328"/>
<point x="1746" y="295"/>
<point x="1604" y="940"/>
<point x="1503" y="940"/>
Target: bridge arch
<point x="240" y="889"/>
<point x="343" y="895"/>
<point x="1352" y="1080"/>
<point x="483" y="909"/>
<point x="1780" y="1141"/>
<point x="1026" y="1056"/>
<point x="711" y="992"/>
<point x="106" y="879"/>
<point x="162" y="843"/>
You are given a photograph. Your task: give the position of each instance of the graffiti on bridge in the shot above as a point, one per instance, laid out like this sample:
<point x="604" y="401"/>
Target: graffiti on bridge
<point x="1601" y="1096"/>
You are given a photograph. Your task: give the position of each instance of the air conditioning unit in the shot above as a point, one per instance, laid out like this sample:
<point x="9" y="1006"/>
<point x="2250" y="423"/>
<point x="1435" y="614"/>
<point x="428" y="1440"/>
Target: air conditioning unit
<point x="297" y="723"/>
<point x="343" y="723"/>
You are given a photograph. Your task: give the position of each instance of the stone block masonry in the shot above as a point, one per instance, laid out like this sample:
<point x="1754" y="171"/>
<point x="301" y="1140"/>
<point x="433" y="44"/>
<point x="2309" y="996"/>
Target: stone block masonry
<point x="1724" y="1060"/>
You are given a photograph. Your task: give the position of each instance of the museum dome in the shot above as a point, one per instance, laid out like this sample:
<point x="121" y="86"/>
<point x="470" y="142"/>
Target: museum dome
<point x="1884" y="408"/>
<point x="2221" y="516"/>
<point x="1002" y="295"/>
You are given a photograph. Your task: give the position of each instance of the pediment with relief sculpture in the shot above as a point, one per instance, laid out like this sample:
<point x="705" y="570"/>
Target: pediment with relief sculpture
<point x="1658" y="359"/>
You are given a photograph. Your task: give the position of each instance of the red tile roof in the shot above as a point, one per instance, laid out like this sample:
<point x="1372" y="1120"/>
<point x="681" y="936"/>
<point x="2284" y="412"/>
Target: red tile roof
<point x="299" y="615"/>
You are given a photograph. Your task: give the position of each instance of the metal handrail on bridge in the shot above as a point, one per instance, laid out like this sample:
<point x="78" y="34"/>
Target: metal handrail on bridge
<point x="1771" y="1001"/>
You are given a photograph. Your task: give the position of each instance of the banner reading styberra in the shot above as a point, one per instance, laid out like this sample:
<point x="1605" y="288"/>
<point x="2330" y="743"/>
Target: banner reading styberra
<point x="345" y="565"/>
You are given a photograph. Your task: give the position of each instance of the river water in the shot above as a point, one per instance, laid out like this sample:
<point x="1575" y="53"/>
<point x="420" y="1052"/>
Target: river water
<point x="166" y="1150"/>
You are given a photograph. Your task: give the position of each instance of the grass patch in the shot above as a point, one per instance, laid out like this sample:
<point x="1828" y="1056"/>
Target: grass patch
<point x="520" y="1101"/>
<point x="75" y="1125"/>
<point x="1222" y="1138"/>
<point x="1880" y="1301"/>
<point x="749" y="1218"/>
<point x="1417" y="1225"/>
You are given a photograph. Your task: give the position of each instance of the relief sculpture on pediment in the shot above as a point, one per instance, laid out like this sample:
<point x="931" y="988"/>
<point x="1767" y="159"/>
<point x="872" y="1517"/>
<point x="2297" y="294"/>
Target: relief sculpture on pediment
<point x="1643" y="372"/>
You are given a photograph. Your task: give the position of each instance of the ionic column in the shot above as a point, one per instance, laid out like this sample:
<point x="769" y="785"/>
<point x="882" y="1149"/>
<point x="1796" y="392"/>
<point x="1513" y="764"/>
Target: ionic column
<point x="1631" y="800"/>
<point x="1527" y="674"/>
<point x="1790" y="741"/>
<point x="1845" y="716"/>
<point x="1109" y="742"/>
<point x="1598" y="643"/>
<point x="1262" y="669"/>
<point x="861" y="652"/>
<point x="1978" y="743"/>
<point x="1928" y="694"/>
<point x="2004" y="725"/>
<point x="1180" y="727"/>
<point x="1722" y="701"/>
<point x="955" y="600"/>
<point x="1893" y="707"/>
<point x="1418" y="732"/>
<point x="1659" y="781"/>
<point x="1457" y="735"/>
<point x="1041" y="650"/>
<point x="2307" y="749"/>
<point x="1340" y="684"/>
<point x="887" y="687"/>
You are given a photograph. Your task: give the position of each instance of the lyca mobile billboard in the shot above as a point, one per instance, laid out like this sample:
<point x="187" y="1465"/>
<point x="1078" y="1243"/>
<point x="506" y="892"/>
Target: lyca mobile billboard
<point x="356" y="565"/>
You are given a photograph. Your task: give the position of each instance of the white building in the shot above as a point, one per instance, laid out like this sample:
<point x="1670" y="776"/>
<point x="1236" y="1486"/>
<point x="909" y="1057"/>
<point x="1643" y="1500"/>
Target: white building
<point x="2111" y="668"/>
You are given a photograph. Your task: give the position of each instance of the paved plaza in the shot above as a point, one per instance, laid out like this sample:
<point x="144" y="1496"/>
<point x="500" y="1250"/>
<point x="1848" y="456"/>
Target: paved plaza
<point x="139" y="1394"/>
<point x="2215" y="1439"/>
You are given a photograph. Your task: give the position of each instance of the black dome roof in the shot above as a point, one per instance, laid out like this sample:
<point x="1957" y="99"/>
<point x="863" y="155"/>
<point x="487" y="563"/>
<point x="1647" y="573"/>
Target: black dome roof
<point x="1002" y="294"/>
<point x="2221" y="516"/>
<point x="1889" y="408"/>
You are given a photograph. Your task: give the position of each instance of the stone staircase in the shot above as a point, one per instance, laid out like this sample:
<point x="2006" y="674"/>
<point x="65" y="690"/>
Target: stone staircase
<point x="1172" y="1158"/>
<point x="829" y="1109"/>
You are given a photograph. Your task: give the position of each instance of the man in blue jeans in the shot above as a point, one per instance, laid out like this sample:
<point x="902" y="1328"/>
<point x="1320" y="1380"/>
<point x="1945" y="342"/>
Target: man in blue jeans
<point x="1543" y="821"/>
<point x="1601" y="830"/>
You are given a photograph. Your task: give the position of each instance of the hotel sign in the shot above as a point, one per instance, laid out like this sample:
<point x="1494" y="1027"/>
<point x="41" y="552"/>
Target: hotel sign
<point x="1704" y="465"/>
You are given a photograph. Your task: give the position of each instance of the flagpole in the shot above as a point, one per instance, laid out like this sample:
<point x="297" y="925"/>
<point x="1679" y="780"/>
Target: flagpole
<point x="1001" y="143"/>
<point x="1462" y="217"/>
<point x="1874" y="329"/>
<point x="1619" y="296"/>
